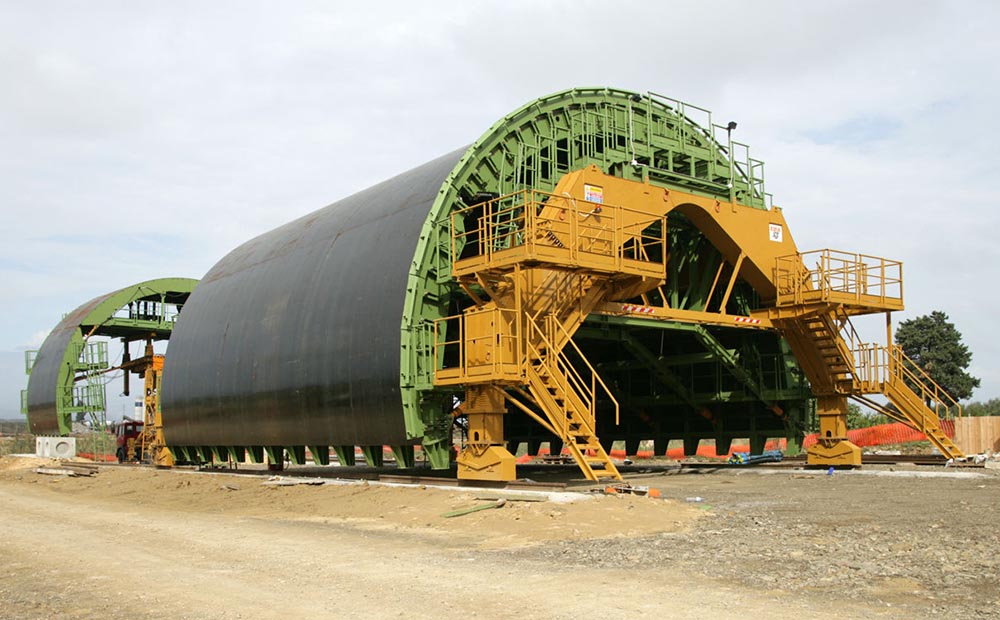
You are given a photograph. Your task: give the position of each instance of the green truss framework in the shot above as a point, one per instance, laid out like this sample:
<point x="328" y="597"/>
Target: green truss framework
<point x="642" y="137"/>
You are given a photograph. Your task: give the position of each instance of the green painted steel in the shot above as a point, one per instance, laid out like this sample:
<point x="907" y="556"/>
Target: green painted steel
<point x="642" y="137"/>
<point x="748" y="374"/>
<point x="320" y="454"/>
<point x="345" y="454"/>
<point x="404" y="455"/>
<point x="373" y="455"/>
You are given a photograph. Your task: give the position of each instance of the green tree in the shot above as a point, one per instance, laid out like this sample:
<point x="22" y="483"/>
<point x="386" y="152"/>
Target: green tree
<point x="856" y="418"/>
<point x="863" y="418"/>
<point x="933" y="343"/>
<point x="990" y="407"/>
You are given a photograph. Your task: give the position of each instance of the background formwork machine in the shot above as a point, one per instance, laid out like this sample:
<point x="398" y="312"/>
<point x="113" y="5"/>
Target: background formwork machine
<point x="67" y="376"/>
<point x="599" y="266"/>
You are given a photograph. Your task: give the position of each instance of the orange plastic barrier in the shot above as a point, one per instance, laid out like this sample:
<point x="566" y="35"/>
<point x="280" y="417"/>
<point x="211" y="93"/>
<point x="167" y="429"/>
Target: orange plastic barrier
<point x="885" y="434"/>
<point x="106" y="458"/>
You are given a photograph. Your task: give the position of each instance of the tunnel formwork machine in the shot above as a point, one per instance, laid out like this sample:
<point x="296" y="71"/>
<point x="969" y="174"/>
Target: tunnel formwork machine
<point x="67" y="376"/>
<point x="599" y="266"/>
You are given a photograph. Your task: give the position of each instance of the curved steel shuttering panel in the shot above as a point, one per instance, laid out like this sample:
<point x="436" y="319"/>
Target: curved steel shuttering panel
<point x="50" y="367"/>
<point x="293" y="338"/>
<point x="58" y="365"/>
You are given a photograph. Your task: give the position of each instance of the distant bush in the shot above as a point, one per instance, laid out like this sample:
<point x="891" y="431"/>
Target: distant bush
<point x="990" y="407"/>
<point x="17" y="444"/>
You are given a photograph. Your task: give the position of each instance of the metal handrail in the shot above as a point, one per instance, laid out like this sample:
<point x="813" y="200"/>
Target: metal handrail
<point x="546" y="337"/>
<point x="29" y="360"/>
<point x="557" y="360"/>
<point x="595" y="377"/>
<point x="847" y="328"/>
<point x="579" y="226"/>
<point x="878" y="366"/>
<point x="498" y="365"/>
<point x="837" y="272"/>
<point x="441" y="342"/>
<point x="906" y="368"/>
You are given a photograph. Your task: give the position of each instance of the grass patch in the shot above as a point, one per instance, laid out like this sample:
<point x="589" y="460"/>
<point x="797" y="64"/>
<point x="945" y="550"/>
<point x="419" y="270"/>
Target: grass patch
<point x="18" y="444"/>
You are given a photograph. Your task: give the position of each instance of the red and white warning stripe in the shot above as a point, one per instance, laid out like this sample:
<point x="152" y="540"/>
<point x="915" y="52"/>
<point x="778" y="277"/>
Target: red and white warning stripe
<point x="637" y="309"/>
<point x="746" y="319"/>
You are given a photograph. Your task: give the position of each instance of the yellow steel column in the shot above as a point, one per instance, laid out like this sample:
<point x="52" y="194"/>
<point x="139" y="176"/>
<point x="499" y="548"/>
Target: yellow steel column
<point x="484" y="456"/>
<point x="832" y="446"/>
<point x="888" y="330"/>
<point x="154" y="446"/>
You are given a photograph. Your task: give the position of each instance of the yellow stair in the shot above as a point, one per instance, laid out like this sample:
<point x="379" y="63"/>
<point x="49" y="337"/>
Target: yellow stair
<point x="535" y="264"/>
<point x="571" y="420"/>
<point x="813" y="310"/>
<point x="826" y="358"/>
<point x="832" y="368"/>
<point x="889" y="372"/>
<point x="567" y="399"/>
<point x="921" y="417"/>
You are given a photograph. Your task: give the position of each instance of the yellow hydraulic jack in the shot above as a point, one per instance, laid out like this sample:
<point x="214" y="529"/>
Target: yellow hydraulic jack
<point x="832" y="446"/>
<point x="152" y="447"/>
<point x="484" y="456"/>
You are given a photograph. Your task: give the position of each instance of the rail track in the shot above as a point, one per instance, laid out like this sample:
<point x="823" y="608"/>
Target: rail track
<point x="546" y="475"/>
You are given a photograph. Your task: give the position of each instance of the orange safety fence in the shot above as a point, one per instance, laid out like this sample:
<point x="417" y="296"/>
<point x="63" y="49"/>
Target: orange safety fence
<point x="885" y="434"/>
<point x="106" y="458"/>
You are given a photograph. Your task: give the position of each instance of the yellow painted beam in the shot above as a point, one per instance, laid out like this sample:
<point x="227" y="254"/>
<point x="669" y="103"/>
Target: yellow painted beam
<point x="658" y="313"/>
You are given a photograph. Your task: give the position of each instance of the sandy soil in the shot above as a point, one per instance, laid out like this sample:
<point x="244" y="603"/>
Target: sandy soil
<point x="139" y="543"/>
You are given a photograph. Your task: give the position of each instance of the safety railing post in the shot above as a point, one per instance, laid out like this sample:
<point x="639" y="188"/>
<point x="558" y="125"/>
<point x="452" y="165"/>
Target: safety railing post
<point x="883" y="280"/>
<point x="892" y="368"/>
<point x="901" y="283"/>
<point x="462" y="357"/>
<point x="452" y="233"/>
<point x="663" y="240"/>
<point x="824" y="273"/>
<point x="487" y="230"/>
<point x="495" y="343"/>
<point x="593" y="396"/>
<point x="574" y="232"/>
<point x="800" y="281"/>
<point x="617" y="238"/>
<point x="856" y="284"/>
<point x="435" y="348"/>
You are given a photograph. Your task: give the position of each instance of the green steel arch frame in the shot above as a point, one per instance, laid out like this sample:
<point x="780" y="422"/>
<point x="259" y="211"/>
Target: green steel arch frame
<point x="137" y="312"/>
<point x="642" y="137"/>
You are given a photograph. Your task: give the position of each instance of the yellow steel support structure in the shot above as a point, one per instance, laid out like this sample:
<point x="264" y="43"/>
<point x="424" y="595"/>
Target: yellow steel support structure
<point x="536" y="264"/>
<point x="154" y="448"/>
<point x="813" y="309"/>
<point x="544" y="262"/>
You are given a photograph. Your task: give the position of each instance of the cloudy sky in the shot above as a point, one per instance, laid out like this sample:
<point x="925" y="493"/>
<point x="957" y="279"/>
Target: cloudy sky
<point x="147" y="139"/>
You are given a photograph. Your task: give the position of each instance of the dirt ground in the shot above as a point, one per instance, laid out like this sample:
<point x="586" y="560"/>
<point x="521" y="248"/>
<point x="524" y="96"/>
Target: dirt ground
<point x="139" y="543"/>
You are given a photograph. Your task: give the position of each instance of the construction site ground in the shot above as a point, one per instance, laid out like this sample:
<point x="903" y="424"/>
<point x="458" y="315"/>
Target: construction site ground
<point x="136" y="543"/>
